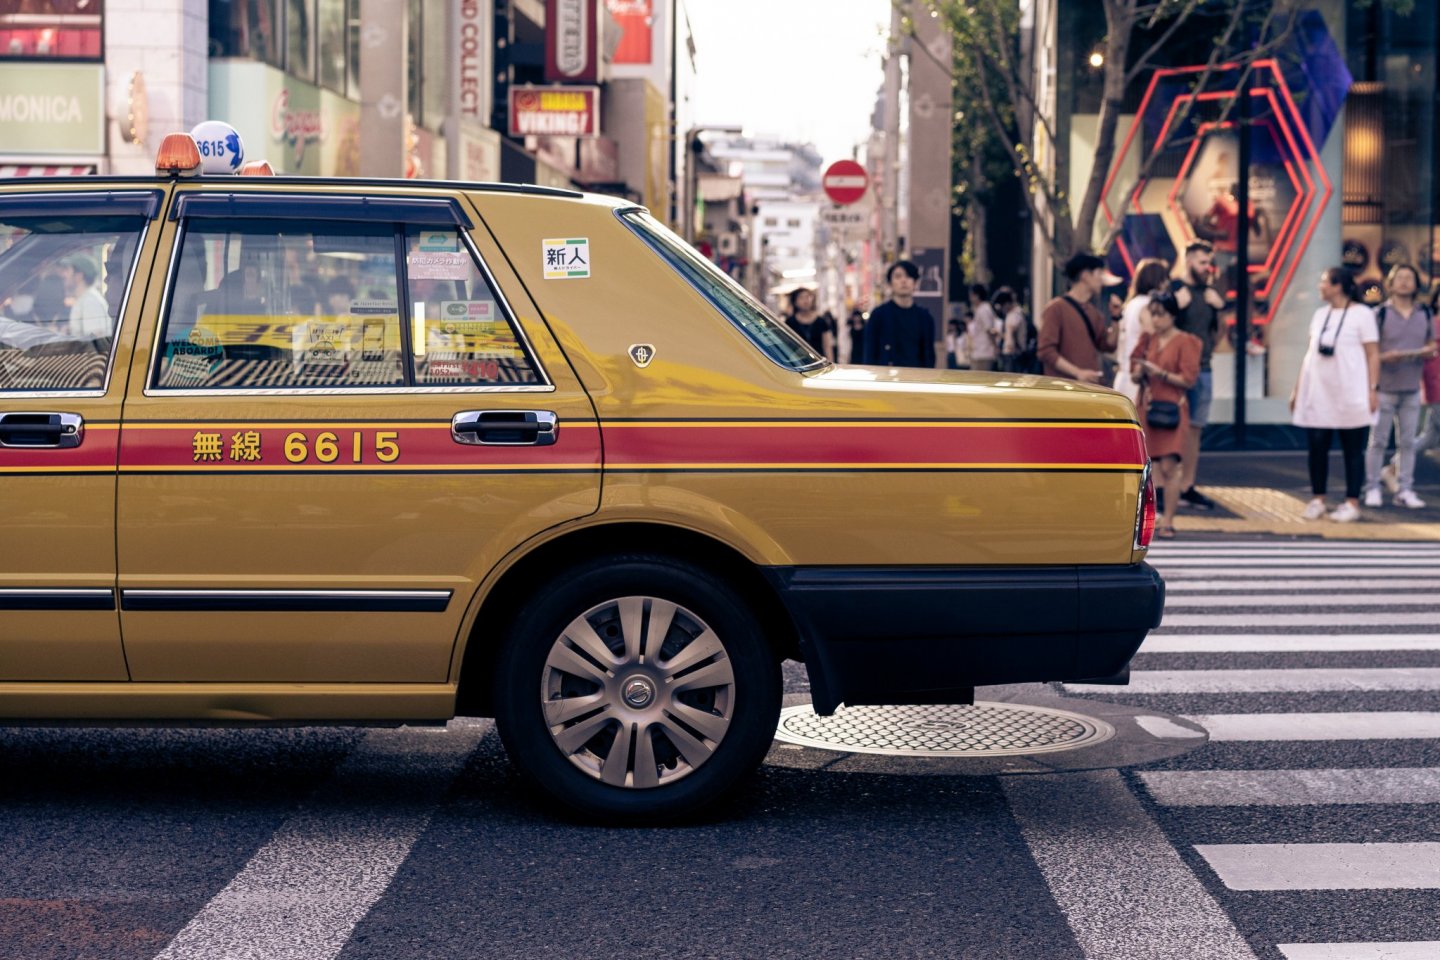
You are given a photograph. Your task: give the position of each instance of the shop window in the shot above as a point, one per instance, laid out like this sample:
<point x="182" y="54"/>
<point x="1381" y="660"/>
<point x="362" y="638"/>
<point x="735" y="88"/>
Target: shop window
<point x="52" y="29"/>
<point x="300" y="38"/>
<point x="246" y="28"/>
<point x="330" y="34"/>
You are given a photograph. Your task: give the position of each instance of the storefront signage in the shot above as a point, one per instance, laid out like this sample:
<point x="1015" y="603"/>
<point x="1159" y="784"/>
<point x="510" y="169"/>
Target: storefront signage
<point x="554" y="111"/>
<point x="295" y="128"/>
<point x="471" y="49"/>
<point x="52" y="108"/>
<point x="636" y="19"/>
<point x="571" y="30"/>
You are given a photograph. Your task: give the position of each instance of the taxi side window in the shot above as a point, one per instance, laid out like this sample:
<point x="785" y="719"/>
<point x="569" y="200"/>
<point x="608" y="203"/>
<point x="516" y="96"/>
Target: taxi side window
<point x="460" y="335"/>
<point x="282" y="304"/>
<point x="62" y="283"/>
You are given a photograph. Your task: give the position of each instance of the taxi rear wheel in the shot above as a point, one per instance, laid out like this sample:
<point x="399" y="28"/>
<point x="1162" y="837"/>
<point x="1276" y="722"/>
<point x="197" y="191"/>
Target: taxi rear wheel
<point x="636" y="689"/>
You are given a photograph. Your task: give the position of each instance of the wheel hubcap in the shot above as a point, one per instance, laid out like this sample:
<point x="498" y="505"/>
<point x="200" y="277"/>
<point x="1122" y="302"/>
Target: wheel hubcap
<point x="637" y="692"/>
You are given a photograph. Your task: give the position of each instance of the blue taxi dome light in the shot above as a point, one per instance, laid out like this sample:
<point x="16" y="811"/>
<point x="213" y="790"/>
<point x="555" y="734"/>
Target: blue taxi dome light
<point x="221" y="149"/>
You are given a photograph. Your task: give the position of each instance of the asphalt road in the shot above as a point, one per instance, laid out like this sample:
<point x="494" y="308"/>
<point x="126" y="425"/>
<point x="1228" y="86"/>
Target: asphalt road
<point x="338" y="842"/>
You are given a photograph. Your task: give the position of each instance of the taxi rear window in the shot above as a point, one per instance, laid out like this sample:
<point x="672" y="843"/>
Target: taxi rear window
<point x="264" y="304"/>
<point x="773" y="337"/>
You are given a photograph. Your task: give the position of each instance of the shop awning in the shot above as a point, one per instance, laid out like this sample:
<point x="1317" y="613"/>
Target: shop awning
<point x="41" y="170"/>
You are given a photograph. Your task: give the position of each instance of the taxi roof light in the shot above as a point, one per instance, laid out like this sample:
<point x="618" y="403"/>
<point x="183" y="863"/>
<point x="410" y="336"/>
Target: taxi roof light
<point x="178" y="156"/>
<point x="257" y="168"/>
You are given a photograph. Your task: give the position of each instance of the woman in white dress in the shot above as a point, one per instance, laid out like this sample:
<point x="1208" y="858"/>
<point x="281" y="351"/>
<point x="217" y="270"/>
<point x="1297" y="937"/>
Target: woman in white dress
<point x="1151" y="276"/>
<point x="1335" y="394"/>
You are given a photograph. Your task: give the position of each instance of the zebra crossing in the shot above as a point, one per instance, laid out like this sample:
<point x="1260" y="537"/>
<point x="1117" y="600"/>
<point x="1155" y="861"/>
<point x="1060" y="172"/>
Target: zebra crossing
<point x="1315" y="670"/>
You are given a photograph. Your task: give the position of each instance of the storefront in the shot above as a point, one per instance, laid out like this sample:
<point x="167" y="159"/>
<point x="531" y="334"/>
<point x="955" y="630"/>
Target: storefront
<point x="1342" y="145"/>
<point x="52" y="90"/>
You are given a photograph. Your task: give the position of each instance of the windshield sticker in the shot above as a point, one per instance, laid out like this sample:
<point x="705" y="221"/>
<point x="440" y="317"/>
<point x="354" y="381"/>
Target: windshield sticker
<point x="567" y="259"/>
<point x="194" y="359"/>
<point x="476" y="310"/>
<point x="438" y="266"/>
<point x="439" y="241"/>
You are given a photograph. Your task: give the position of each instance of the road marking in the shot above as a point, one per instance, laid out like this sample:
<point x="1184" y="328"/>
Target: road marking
<point x="1325" y="866"/>
<point x="303" y="892"/>
<point x="1249" y="727"/>
<point x="1410" y="950"/>
<point x="1166" y="729"/>
<point x="1318" y="560"/>
<point x="1292" y="788"/>
<point x="1288" y="642"/>
<point x="1315" y="583"/>
<point x="1319" y="619"/>
<point x="1202" y="572"/>
<point x="1376" y="599"/>
<point x="1123" y="888"/>
<point x="1303" y="680"/>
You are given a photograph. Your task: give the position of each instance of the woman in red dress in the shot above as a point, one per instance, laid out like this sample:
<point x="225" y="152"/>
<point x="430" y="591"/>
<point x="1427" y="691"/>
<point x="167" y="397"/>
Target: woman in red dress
<point x="1165" y="363"/>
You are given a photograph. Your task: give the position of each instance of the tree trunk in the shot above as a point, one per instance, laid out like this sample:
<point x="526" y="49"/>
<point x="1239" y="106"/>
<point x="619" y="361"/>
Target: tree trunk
<point x="1119" y="19"/>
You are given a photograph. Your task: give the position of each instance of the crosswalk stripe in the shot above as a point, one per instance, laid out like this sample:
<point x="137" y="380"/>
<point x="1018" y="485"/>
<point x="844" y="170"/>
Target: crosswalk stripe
<point x="1376" y="599"/>
<point x="1382" y="618"/>
<point x="303" y="892"/>
<point x="1098" y="870"/>
<point x="1306" y="680"/>
<point x="1288" y="642"/>
<point x="1320" y="560"/>
<point x="1252" y="585"/>
<point x="1256" y="727"/>
<point x="1172" y="573"/>
<point x="1408" y="950"/>
<point x="1292" y="788"/>
<point x="1325" y="866"/>
<point x="1163" y="556"/>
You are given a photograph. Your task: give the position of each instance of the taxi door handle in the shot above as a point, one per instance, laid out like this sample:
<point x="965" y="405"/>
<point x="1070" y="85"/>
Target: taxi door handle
<point x="505" y="428"/>
<point x="58" y="430"/>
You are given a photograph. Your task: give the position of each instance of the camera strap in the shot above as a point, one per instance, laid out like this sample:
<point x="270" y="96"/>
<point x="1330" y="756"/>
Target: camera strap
<point x="1320" y="340"/>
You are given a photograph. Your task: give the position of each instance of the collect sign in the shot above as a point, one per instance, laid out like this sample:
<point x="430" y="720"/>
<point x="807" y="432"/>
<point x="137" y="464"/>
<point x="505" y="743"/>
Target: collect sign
<point x="845" y="181"/>
<point x="554" y="111"/>
<point x="52" y="108"/>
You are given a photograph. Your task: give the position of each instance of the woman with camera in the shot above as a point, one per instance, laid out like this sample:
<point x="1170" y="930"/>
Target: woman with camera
<point x="1165" y="364"/>
<point x="1335" y="393"/>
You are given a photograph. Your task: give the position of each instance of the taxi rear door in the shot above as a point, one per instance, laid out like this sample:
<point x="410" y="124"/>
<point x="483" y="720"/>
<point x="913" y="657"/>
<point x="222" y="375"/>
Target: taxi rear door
<point x="342" y="418"/>
<point x="67" y="259"/>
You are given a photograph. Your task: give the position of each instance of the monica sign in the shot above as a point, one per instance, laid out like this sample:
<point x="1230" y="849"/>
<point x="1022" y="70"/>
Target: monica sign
<point x="52" y="108"/>
<point x="555" y="111"/>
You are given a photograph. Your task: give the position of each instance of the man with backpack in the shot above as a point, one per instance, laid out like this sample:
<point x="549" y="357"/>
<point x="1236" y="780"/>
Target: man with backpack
<point x="1407" y="340"/>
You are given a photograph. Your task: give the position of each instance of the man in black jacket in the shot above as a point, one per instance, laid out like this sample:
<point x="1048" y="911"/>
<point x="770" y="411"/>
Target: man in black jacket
<point x="900" y="334"/>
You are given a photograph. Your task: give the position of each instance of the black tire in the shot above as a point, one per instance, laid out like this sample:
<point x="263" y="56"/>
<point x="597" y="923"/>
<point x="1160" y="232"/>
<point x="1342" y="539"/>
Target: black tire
<point x="542" y="701"/>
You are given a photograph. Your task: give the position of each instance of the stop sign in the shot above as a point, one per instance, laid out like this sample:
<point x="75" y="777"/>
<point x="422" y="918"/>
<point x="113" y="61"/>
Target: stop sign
<point x="845" y="181"/>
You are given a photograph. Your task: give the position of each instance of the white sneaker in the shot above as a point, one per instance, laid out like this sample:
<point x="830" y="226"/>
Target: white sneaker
<point x="1315" y="510"/>
<point x="1372" y="497"/>
<point x="1407" y="499"/>
<point x="1387" y="477"/>
<point x="1347" y="512"/>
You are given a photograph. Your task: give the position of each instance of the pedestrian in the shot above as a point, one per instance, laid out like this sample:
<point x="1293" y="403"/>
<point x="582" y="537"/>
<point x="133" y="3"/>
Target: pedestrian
<point x="1407" y="341"/>
<point x="1073" y="333"/>
<point x="954" y="334"/>
<point x="1152" y="275"/>
<point x="1017" y="334"/>
<point x="899" y="333"/>
<point x="983" y="330"/>
<point x="1428" y="435"/>
<point x="1164" y="364"/>
<point x="814" y="327"/>
<point x="89" y="313"/>
<point x="856" y="328"/>
<point x="1336" y="391"/>
<point x="1200" y="306"/>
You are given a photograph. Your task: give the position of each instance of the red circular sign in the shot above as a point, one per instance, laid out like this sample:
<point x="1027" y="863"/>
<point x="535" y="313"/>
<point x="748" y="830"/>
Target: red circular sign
<point x="845" y="181"/>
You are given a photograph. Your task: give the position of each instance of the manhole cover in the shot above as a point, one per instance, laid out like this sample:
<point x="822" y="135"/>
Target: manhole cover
<point x="982" y="730"/>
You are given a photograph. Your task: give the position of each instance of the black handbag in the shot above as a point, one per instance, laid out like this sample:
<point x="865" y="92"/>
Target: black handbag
<point x="1162" y="415"/>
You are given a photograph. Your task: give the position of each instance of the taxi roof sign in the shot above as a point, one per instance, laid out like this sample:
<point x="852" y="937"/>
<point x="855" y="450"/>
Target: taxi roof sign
<point x="178" y="156"/>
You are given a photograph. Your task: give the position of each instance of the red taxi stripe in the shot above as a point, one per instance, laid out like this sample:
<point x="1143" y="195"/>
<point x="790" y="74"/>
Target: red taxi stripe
<point x="96" y="454"/>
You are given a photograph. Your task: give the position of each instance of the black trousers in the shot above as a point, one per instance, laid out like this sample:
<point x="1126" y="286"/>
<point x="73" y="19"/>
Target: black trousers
<point x="1352" y="445"/>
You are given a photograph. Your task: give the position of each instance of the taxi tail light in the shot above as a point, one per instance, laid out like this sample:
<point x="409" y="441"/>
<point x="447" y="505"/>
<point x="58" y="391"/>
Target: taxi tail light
<point x="257" y="168"/>
<point x="1145" y="516"/>
<point x="178" y="156"/>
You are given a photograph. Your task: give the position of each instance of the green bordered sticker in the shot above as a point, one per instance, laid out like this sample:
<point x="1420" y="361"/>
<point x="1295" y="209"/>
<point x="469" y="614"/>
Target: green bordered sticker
<point x="567" y="259"/>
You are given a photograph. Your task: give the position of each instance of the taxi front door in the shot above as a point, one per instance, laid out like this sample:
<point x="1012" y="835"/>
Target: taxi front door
<point x="63" y="356"/>
<point x="350" y="413"/>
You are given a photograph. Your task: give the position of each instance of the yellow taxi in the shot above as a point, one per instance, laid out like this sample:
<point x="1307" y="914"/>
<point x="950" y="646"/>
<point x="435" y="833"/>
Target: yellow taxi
<point x="287" y="449"/>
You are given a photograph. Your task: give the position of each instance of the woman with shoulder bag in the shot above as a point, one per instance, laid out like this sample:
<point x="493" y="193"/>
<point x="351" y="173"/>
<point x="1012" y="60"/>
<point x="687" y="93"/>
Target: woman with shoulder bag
<point x="1165" y="364"/>
<point x="1336" y="391"/>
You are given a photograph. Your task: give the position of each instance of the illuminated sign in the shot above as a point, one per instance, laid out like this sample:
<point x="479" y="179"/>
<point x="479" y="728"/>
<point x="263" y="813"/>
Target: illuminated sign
<point x="554" y="111"/>
<point x="571" y="28"/>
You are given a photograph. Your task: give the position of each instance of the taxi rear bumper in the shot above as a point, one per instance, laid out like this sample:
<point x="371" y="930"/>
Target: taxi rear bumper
<point x="932" y="634"/>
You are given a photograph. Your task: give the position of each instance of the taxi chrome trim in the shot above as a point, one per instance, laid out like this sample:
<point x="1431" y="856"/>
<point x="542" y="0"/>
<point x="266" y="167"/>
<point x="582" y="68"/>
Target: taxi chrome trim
<point x="56" y="598"/>
<point x="545" y="386"/>
<point x="391" y="601"/>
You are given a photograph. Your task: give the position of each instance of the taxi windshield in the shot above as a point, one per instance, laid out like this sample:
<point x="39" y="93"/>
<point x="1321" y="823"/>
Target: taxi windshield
<point x="773" y="337"/>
